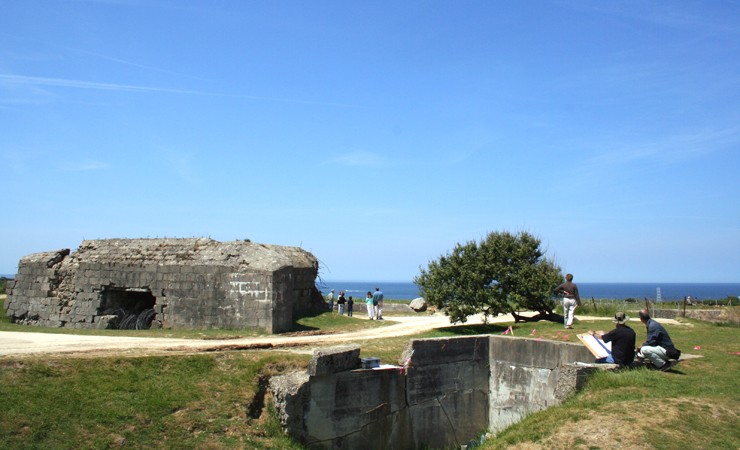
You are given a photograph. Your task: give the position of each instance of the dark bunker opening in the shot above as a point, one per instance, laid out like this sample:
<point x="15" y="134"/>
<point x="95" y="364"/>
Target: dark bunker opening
<point x="134" y="307"/>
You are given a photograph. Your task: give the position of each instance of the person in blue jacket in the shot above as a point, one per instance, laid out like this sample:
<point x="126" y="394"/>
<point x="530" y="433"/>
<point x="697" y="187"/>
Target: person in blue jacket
<point x="658" y="347"/>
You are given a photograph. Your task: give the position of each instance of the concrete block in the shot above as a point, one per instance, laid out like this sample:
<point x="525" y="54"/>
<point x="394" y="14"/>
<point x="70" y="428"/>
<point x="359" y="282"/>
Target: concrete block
<point x="363" y="403"/>
<point x="447" y="350"/>
<point x="334" y="359"/>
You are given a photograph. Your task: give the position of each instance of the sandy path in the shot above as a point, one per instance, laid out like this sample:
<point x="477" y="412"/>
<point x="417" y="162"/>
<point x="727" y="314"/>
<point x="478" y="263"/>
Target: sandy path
<point x="19" y="344"/>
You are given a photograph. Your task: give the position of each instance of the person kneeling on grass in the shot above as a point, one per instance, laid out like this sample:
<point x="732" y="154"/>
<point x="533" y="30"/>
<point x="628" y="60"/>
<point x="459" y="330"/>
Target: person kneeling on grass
<point x="622" y="338"/>
<point x="658" y="347"/>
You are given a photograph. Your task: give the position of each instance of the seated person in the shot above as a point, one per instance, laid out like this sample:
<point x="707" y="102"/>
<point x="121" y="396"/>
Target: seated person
<point x="658" y="347"/>
<point x="622" y="338"/>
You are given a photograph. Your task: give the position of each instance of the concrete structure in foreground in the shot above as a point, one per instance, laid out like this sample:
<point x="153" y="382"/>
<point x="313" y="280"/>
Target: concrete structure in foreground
<point x="172" y="283"/>
<point x="445" y="392"/>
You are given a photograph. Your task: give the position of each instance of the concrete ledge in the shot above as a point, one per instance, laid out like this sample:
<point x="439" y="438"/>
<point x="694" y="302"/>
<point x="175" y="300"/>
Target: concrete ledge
<point x="537" y="353"/>
<point x="334" y="360"/>
<point x="446" y="350"/>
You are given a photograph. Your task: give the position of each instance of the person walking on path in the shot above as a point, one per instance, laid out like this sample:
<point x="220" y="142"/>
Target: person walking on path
<point x="350" y="306"/>
<point x="622" y="338"/>
<point x="378" y="303"/>
<point x="571" y="299"/>
<point x="340" y="303"/>
<point x="658" y="347"/>
<point x="370" y="306"/>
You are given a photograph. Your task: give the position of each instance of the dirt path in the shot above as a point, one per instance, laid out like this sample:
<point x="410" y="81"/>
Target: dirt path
<point x="21" y="344"/>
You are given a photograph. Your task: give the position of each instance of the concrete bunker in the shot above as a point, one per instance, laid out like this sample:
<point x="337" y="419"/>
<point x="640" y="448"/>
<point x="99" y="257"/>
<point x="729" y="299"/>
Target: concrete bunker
<point x="170" y="283"/>
<point x="443" y="393"/>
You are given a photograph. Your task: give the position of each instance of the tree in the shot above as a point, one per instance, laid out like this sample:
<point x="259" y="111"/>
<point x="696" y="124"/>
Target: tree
<point x="504" y="273"/>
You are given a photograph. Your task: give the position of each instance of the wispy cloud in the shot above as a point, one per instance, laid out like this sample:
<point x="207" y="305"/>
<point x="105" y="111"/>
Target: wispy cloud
<point x="79" y="84"/>
<point x="180" y="163"/>
<point x="85" y="166"/>
<point x="34" y="82"/>
<point x="668" y="150"/>
<point x="357" y="159"/>
<point x="667" y="14"/>
<point x="125" y="62"/>
<point x="67" y="50"/>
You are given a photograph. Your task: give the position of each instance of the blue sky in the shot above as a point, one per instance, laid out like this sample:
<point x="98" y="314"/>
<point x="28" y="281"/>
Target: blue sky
<point x="379" y="134"/>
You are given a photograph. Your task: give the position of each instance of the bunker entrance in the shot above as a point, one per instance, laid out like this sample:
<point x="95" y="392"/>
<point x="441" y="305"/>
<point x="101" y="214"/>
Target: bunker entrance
<point x="133" y="307"/>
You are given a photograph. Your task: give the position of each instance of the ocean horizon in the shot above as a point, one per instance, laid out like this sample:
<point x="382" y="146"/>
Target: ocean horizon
<point x="613" y="291"/>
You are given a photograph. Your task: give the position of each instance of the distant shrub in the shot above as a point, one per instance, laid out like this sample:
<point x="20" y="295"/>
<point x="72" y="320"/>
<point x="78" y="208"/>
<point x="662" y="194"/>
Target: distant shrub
<point x="3" y="282"/>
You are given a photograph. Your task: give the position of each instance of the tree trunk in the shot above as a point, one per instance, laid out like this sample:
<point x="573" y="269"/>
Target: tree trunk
<point x="541" y="315"/>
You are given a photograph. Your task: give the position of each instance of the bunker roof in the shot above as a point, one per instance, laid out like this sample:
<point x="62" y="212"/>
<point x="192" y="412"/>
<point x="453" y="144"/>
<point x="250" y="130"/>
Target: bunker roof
<point x="242" y="255"/>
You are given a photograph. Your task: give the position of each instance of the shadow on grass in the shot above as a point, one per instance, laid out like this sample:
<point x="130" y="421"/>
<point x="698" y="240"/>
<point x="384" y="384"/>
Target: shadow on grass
<point x="318" y="320"/>
<point x="470" y="330"/>
<point x="300" y="327"/>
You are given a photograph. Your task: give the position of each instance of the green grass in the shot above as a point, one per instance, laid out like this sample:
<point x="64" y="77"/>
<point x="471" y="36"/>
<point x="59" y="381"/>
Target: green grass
<point x="333" y="322"/>
<point x="207" y="401"/>
<point x="203" y="401"/>
<point x="3" y="317"/>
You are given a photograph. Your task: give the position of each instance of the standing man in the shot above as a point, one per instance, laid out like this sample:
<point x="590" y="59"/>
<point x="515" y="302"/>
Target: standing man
<point x="378" y="303"/>
<point x="340" y="303"/>
<point x="331" y="300"/>
<point x="658" y="347"/>
<point x="622" y="338"/>
<point x="571" y="299"/>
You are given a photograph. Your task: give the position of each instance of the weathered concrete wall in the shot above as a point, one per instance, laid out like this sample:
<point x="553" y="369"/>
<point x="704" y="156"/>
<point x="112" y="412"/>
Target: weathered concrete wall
<point x="451" y="390"/>
<point x="447" y="386"/>
<point x="189" y="283"/>
<point x="528" y="375"/>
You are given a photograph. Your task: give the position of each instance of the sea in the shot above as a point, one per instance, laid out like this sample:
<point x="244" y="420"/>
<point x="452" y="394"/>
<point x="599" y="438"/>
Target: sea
<point x="614" y="291"/>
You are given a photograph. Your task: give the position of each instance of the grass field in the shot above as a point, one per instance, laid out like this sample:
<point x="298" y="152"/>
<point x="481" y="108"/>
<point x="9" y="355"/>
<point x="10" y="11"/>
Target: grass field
<point x="216" y="400"/>
<point x="695" y="406"/>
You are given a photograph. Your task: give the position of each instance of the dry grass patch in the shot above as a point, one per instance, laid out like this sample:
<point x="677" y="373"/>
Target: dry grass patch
<point x="657" y="423"/>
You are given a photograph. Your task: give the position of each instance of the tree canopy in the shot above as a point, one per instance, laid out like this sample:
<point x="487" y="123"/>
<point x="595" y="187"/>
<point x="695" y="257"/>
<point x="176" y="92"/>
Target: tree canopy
<point x="503" y="273"/>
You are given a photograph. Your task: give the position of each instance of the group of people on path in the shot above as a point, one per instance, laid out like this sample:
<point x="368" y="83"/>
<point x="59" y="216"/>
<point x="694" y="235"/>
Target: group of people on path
<point x="658" y="348"/>
<point x="342" y="302"/>
<point x="373" y="301"/>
